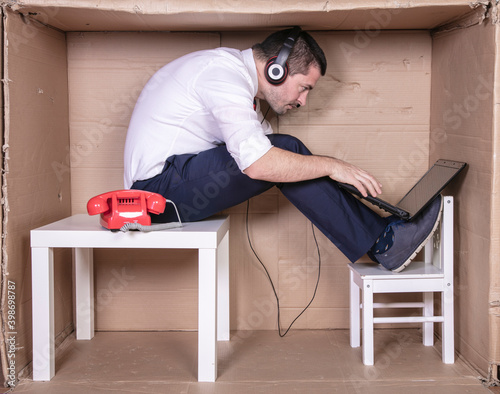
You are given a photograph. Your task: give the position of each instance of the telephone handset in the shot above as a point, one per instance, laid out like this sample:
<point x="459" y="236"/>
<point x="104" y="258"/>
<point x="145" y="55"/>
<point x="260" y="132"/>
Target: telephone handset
<point x="129" y="210"/>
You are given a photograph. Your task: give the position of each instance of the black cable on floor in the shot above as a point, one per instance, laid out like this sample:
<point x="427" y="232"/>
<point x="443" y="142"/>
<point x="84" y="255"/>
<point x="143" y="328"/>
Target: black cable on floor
<point x="271" y="281"/>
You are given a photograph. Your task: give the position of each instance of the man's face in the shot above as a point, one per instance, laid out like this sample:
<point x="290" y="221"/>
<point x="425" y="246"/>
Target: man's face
<point x="293" y="92"/>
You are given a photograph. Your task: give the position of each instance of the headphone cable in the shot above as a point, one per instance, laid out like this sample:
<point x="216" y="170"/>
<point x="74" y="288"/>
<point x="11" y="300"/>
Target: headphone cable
<point x="271" y="281"/>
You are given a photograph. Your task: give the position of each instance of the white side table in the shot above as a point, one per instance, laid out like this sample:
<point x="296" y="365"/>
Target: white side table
<point x="83" y="233"/>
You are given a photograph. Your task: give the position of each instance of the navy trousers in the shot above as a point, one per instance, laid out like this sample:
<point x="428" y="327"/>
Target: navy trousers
<point x="209" y="182"/>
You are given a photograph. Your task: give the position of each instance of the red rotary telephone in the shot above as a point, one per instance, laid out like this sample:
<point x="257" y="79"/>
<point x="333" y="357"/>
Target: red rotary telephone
<point x="121" y="207"/>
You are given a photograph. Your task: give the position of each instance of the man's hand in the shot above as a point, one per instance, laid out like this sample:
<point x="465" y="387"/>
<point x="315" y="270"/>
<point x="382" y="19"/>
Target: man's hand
<point x="360" y="179"/>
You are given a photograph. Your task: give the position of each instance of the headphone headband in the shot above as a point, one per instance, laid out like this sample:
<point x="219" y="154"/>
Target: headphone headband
<point x="288" y="46"/>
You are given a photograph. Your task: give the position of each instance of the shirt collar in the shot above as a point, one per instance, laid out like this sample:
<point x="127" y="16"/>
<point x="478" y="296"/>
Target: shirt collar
<point x="252" y="68"/>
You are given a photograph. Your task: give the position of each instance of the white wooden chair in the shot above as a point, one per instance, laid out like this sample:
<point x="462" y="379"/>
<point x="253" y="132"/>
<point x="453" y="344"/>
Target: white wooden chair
<point x="435" y="274"/>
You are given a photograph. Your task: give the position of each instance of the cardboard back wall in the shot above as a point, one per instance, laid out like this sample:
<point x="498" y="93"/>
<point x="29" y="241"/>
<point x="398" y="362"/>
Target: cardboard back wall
<point x="347" y="117"/>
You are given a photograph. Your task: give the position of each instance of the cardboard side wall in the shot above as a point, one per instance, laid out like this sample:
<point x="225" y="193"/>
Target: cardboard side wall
<point x="361" y="111"/>
<point x="462" y="129"/>
<point x="37" y="176"/>
<point x="3" y="352"/>
<point x="494" y="286"/>
<point x="494" y="301"/>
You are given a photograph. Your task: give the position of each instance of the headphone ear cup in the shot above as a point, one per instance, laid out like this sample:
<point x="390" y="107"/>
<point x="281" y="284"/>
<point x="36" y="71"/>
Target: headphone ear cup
<point x="275" y="72"/>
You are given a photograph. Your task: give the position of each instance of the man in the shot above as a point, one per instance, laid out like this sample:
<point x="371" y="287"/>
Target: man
<point x="197" y="137"/>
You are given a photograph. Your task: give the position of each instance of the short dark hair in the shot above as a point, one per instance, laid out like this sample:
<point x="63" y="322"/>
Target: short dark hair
<point x="305" y="52"/>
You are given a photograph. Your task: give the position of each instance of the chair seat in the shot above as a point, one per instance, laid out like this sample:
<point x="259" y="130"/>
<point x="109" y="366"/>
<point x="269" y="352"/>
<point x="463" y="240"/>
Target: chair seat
<point x="415" y="270"/>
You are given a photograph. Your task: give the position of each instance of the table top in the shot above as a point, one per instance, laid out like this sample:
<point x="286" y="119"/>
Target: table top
<point x="85" y="231"/>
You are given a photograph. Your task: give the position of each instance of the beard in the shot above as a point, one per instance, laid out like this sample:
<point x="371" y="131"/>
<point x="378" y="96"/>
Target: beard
<point x="275" y="101"/>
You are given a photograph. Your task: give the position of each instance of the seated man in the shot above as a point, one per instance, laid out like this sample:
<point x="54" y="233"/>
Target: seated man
<point x="197" y="136"/>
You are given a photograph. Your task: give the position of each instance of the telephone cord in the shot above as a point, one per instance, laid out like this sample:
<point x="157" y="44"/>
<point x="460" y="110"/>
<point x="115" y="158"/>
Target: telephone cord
<point x="154" y="227"/>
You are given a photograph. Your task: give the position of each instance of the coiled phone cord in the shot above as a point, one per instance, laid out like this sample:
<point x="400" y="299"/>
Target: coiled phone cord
<point x="154" y="227"/>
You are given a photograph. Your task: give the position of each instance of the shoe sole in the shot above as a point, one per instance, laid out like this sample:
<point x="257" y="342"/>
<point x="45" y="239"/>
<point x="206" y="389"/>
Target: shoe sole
<point x="409" y="260"/>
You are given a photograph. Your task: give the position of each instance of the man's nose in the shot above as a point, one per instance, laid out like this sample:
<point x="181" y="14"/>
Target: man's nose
<point x="302" y="100"/>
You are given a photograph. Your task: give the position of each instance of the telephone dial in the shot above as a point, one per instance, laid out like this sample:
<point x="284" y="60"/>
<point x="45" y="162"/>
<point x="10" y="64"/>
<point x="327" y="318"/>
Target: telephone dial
<point x="129" y="210"/>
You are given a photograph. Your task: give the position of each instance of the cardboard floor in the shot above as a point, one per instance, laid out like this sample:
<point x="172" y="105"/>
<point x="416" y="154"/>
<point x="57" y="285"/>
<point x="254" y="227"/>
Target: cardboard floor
<point x="304" y="361"/>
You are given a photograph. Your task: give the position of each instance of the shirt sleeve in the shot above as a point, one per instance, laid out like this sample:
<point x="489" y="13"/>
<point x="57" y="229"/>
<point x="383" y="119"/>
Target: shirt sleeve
<point x="229" y="96"/>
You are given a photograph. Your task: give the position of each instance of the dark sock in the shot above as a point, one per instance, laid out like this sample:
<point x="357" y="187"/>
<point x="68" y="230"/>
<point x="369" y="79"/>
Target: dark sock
<point x="384" y="242"/>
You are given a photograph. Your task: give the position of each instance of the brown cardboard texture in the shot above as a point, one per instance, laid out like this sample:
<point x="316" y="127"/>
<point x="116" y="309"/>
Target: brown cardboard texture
<point x="465" y="111"/>
<point x="407" y="83"/>
<point x="36" y="179"/>
<point x="112" y="15"/>
<point x="305" y="361"/>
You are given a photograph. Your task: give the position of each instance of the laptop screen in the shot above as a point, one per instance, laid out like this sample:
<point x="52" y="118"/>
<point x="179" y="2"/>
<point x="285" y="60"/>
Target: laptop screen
<point x="435" y="180"/>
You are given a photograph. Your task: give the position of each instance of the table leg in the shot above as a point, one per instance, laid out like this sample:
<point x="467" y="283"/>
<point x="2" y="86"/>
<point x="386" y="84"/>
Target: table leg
<point x="42" y="268"/>
<point x="223" y="324"/>
<point x="84" y="289"/>
<point x="207" y="315"/>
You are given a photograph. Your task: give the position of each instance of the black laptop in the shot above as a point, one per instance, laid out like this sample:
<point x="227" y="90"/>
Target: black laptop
<point x="420" y="195"/>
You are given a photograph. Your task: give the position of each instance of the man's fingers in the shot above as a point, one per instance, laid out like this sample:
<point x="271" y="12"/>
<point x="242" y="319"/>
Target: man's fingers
<point x="368" y="184"/>
<point x="361" y="188"/>
<point x="359" y="178"/>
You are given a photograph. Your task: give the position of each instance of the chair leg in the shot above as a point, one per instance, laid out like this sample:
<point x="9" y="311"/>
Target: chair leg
<point x="447" y="294"/>
<point x="448" y="329"/>
<point x="428" y="327"/>
<point x="368" y="322"/>
<point x="428" y="299"/>
<point x="354" y="313"/>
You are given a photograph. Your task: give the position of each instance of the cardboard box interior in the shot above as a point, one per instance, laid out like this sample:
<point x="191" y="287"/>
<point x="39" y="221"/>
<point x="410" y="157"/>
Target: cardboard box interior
<point x="399" y="93"/>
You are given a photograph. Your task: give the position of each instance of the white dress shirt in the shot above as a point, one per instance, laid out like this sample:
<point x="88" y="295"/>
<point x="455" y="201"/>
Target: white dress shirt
<point x="193" y="104"/>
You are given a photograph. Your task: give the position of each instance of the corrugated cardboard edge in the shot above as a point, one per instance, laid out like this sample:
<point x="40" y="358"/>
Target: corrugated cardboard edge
<point x="494" y="290"/>
<point x="481" y="11"/>
<point x="213" y="6"/>
<point x="4" y="200"/>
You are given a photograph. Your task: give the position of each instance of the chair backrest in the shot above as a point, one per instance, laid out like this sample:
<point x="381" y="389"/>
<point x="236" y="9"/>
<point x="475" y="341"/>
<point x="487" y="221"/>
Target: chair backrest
<point x="439" y="250"/>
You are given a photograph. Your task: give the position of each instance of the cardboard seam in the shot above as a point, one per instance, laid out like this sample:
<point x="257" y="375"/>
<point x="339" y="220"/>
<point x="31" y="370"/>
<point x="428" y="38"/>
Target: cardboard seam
<point x="29" y="17"/>
<point x="480" y="12"/>
<point x="493" y="295"/>
<point x="493" y="376"/>
<point x="175" y="8"/>
<point x="493" y="12"/>
<point x="61" y="344"/>
<point x="4" y="200"/>
<point x="271" y="8"/>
